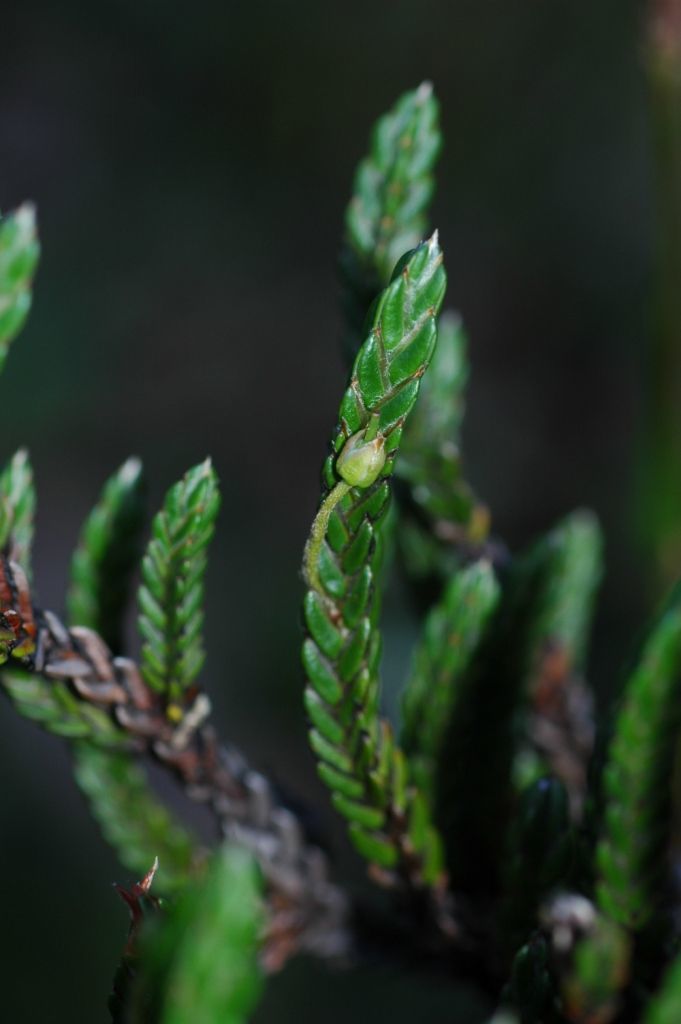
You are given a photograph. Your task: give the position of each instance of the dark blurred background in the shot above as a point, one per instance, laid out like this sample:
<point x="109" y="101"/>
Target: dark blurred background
<point x="190" y="163"/>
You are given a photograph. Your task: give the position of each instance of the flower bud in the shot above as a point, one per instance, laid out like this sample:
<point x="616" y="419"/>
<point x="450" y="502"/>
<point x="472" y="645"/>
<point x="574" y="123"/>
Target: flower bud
<point x="361" y="461"/>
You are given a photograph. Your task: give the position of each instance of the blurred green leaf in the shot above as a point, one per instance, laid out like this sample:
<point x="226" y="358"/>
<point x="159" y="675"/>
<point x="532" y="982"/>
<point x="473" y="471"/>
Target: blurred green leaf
<point x="17" y="509"/>
<point x="107" y="554"/>
<point x="199" y="962"/>
<point x="19" y="252"/>
<point x="631" y="859"/>
<point x="132" y="820"/>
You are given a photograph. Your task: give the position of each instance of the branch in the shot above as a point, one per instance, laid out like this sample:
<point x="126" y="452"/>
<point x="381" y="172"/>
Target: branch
<point x="358" y="758"/>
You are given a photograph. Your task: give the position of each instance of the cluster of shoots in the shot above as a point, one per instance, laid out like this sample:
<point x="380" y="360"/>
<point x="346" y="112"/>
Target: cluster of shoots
<point x="515" y="860"/>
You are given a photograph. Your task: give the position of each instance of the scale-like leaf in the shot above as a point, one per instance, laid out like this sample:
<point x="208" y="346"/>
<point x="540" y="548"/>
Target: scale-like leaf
<point x="132" y="820"/>
<point x="19" y="252"/>
<point x="358" y="758"/>
<point x="450" y="638"/>
<point x="17" y="509"/>
<point x="387" y="213"/>
<point x="631" y="858"/>
<point x="440" y="514"/>
<point x="489" y="722"/>
<point x="52" y="704"/>
<point x="107" y="554"/>
<point x="565" y="569"/>
<point x="170" y="597"/>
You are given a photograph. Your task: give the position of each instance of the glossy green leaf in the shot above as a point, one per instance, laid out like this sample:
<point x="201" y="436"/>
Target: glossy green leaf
<point x="171" y="593"/>
<point x="359" y="761"/>
<point x="440" y="514"/>
<point x="387" y="214"/>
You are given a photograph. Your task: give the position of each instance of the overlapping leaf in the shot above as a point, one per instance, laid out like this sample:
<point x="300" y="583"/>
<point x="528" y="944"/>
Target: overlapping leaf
<point x="632" y="865"/>
<point x="130" y="816"/>
<point x="358" y="758"/>
<point x="540" y="606"/>
<point x="450" y="639"/>
<point x="132" y="820"/>
<point x="440" y="514"/>
<point x="170" y="597"/>
<point x="387" y="213"/>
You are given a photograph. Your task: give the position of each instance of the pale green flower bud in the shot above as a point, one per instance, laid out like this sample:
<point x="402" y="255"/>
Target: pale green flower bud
<point x="361" y="461"/>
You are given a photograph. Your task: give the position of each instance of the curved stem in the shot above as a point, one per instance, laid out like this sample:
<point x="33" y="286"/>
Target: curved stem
<point x="313" y="547"/>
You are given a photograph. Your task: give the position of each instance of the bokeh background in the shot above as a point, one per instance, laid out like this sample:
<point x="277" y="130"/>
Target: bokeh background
<point x="191" y="163"/>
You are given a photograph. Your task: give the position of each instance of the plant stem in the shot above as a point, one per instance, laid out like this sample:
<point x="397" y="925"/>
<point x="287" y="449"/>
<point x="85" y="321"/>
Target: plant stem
<point x="313" y="547"/>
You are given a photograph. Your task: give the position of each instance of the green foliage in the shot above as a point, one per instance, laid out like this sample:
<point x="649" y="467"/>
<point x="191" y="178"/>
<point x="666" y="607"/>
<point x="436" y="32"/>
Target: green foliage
<point x="107" y="554"/>
<point x="56" y="708"/>
<point x="540" y="851"/>
<point x="170" y="597"/>
<point x="479" y="815"/>
<point x="132" y="821"/>
<point x="450" y="639"/>
<point x="357" y="755"/>
<point x="17" y="508"/>
<point x="531" y="990"/>
<point x="566" y="568"/>
<point x="440" y="512"/>
<point x="537" y="616"/>
<point x="387" y="213"/>
<point x="665" y="1008"/>
<point x="19" y="252"/>
<point x="631" y="858"/>
<point x="597" y="974"/>
<point x="199" y="962"/>
<point x="52" y="704"/>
